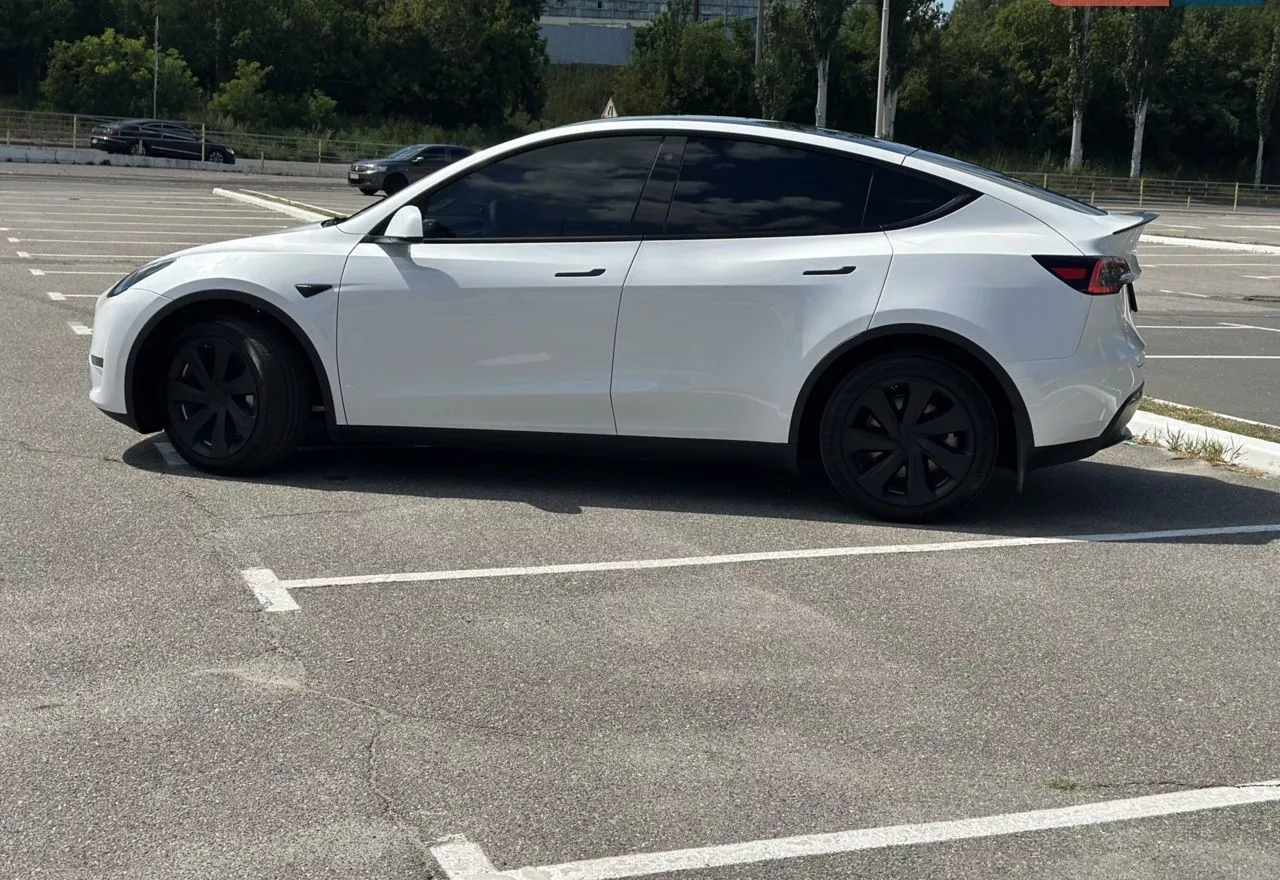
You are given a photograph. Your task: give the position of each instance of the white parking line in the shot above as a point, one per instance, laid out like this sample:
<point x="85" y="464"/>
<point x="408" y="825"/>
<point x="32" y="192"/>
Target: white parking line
<point x="23" y="255"/>
<point x="1192" y="327"/>
<point x="1187" y="293"/>
<point x="463" y="860"/>
<point x="83" y="241"/>
<point x="276" y="595"/>
<point x="58" y="297"/>
<point x="1250" y="327"/>
<point x="79" y="329"/>
<point x="1204" y="265"/>
<point x="1213" y="357"/>
<point x="13" y="240"/>
<point x="1212" y="244"/>
<point x="36" y="272"/>
<point x="90" y="256"/>
<point x="73" y="272"/>
<point x="1262" y="277"/>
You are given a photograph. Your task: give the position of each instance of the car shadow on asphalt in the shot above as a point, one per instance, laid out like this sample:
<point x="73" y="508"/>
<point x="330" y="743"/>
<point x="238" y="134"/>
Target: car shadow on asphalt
<point x="1122" y="490"/>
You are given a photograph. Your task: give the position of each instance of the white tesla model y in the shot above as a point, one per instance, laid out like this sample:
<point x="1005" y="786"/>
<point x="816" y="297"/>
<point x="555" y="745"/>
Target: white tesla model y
<point x="908" y="320"/>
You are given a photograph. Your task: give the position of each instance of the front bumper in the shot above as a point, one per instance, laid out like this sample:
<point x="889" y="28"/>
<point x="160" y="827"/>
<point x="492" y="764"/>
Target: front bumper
<point x="117" y="321"/>
<point x="366" y="179"/>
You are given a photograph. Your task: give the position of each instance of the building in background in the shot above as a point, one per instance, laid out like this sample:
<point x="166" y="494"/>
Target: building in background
<point x="603" y="31"/>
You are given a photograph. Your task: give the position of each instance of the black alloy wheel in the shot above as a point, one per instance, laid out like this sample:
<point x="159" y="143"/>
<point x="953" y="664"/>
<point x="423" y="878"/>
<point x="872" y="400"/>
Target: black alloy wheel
<point x="236" y="395"/>
<point x="213" y="397"/>
<point x="908" y="438"/>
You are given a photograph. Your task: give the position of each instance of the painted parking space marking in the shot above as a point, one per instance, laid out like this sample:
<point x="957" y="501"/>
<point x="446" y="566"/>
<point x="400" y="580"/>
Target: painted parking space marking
<point x="1213" y="357"/>
<point x="1250" y="327"/>
<point x="80" y="329"/>
<point x="276" y="595"/>
<point x="59" y="297"/>
<point x="73" y="272"/>
<point x="1187" y="293"/>
<point x="103" y="257"/>
<point x="36" y="272"/>
<point x="23" y="255"/>
<point x="460" y="859"/>
<point x="84" y="241"/>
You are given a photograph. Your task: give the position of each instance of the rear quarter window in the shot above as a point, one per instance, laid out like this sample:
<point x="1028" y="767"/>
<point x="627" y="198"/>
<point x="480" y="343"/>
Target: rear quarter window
<point x="900" y="199"/>
<point x="1030" y="189"/>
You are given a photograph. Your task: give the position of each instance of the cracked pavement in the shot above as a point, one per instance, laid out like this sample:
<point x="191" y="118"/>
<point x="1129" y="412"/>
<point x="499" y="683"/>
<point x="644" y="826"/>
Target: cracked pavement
<point x="155" y="724"/>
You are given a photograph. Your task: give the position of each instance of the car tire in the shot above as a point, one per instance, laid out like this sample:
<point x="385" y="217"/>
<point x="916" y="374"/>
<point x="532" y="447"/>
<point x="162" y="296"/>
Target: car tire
<point x="217" y="157"/>
<point x="394" y="183"/>
<point x="908" y="438"/>
<point x="235" y="396"/>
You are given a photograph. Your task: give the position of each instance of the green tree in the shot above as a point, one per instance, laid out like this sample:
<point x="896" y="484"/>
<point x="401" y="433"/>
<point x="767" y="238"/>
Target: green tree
<point x="112" y="75"/>
<point x="781" y="69"/>
<point x="914" y="37"/>
<point x="1268" y="81"/>
<point x="1079" y="79"/>
<point x="1150" y="38"/>
<point x="822" y="20"/>
<point x="245" y="97"/>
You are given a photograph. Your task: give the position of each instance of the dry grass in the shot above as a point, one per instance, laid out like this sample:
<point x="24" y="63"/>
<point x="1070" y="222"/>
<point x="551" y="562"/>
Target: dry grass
<point x="1210" y="420"/>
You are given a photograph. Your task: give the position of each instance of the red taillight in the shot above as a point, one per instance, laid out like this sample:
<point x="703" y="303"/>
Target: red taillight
<point x="1096" y="276"/>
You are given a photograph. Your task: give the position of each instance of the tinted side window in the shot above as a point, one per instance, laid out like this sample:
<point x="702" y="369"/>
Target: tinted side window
<point x="729" y="187"/>
<point x="579" y="189"/>
<point x="898" y="198"/>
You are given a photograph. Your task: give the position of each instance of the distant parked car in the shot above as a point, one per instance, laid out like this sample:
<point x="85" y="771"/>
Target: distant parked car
<point x="151" y="137"/>
<point x="402" y="167"/>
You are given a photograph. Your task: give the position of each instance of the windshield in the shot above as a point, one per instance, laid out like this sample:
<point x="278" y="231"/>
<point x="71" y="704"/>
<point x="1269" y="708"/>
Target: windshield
<point x="406" y="152"/>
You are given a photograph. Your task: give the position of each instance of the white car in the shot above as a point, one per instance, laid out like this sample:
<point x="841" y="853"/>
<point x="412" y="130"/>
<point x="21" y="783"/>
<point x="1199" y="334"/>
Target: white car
<point x="707" y="284"/>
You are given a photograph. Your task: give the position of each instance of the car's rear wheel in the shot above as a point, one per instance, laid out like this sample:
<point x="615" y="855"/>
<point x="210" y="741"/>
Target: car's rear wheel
<point x="235" y="396"/>
<point x="368" y="191"/>
<point x="908" y="437"/>
<point x="394" y="183"/>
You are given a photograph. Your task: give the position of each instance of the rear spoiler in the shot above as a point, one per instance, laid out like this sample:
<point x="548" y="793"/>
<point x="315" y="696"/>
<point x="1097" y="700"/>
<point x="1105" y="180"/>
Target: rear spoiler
<point x="1129" y="223"/>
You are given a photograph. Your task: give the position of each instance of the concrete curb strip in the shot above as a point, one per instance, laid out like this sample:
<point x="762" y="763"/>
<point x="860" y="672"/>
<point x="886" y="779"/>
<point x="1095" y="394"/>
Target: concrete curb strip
<point x="316" y="209"/>
<point x="1212" y="244"/>
<point x="1258" y="454"/>
<point x="280" y="207"/>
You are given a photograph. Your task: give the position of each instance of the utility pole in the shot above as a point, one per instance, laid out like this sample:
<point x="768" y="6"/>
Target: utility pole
<point x="884" y="64"/>
<point x="155" y="70"/>
<point x="759" y="31"/>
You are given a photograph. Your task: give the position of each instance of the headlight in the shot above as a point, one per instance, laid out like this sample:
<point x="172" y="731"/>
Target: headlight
<point x="137" y="275"/>
<point x="379" y="167"/>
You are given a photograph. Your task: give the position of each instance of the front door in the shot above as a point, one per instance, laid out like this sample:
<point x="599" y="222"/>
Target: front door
<point x="504" y="318"/>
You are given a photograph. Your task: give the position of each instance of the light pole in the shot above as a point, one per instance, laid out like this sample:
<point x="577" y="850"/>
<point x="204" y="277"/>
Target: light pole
<point x="884" y="63"/>
<point x="155" y="69"/>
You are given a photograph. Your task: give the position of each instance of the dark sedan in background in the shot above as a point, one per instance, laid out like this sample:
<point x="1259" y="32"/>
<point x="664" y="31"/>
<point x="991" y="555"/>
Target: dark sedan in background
<point x="152" y="137"/>
<point x="402" y="167"/>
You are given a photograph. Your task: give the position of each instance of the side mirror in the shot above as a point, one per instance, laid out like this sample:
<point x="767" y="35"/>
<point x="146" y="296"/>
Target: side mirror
<point x="418" y="160"/>
<point x="405" y="225"/>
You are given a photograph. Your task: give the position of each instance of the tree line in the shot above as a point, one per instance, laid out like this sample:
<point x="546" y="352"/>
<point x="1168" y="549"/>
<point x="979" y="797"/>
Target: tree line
<point x="1014" y="83"/>
<point x="446" y="63"/>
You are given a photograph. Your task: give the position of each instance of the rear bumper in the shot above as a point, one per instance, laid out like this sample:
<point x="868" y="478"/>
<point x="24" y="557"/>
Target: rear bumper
<point x="1116" y="432"/>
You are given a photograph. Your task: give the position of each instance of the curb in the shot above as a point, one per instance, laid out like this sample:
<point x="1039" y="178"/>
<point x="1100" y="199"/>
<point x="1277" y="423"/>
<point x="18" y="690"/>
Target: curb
<point x="1261" y="455"/>
<point x="315" y="209"/>
<point x="1212" y="244"/>
<point x="280" y="207"/>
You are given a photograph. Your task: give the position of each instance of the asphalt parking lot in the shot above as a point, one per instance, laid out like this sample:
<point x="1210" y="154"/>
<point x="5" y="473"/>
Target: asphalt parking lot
<point x="430" y="663"/>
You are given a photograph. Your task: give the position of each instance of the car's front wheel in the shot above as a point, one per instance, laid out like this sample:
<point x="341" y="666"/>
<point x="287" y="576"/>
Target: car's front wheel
<point x="235" y="396"/>
<point x="908" y="437"/>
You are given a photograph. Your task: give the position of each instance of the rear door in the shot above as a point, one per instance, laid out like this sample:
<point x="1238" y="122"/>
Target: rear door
<point x="762" y="266"/>
<point x="180" y="142"/>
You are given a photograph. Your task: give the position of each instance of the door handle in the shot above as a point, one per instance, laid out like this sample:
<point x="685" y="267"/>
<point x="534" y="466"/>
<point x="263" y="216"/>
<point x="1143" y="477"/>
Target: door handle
<point x="590" y="273"/>
<point x="843" y="270"/>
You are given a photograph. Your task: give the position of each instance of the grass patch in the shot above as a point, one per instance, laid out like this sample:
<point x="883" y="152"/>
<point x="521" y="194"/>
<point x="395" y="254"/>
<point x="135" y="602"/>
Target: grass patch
<point x="1063" y="784"/>
<point x="1209" y="420"/>
<point x="1188" y="445"/>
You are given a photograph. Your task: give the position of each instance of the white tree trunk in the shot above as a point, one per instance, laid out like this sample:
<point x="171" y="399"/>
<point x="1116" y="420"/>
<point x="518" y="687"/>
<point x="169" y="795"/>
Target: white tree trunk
<point x="1139" y="129"/>
<point x="890" y="111"/>
<point x="1077" y="141"/>
<point x="1257" y="163"/>
<point x="820" y="110"/>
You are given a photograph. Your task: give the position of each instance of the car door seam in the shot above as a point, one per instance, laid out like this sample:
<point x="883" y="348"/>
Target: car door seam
<point x="617" y="319"/>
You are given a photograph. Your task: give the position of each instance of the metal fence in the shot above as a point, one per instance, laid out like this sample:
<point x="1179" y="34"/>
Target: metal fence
<point x="32" y="129"/>
<point x="1152" y="191"/>
<point x="26" y="128"/>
